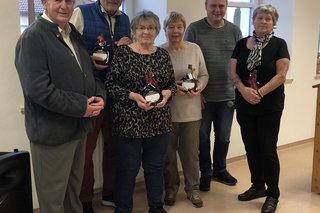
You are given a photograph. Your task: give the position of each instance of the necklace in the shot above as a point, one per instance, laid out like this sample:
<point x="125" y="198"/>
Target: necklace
<point x="143" y="50"/>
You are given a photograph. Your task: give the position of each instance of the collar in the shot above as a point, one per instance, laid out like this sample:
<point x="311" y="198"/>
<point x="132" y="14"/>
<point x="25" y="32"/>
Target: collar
<point x="67" y="29"/>
<point x="117" y="13"/>
<point x="207" y="22"/>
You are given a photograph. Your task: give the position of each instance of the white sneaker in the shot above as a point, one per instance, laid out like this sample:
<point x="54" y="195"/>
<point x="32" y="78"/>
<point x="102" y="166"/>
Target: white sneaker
<point x="108" y="201"/>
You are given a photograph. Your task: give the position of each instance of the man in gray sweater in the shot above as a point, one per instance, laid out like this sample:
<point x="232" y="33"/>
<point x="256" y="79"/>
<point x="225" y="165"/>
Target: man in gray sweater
<point x="216" y="37"/>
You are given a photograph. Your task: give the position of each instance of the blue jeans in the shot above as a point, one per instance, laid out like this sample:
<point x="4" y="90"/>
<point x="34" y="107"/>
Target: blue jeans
<point x="130" y="153"/>
<point x="220" y="114"/>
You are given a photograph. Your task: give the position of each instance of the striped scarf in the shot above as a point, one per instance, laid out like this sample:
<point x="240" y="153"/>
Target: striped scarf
<point x="254" y="58"/>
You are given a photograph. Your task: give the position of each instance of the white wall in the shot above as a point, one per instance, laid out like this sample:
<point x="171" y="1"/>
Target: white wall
<point x="299" y="115"/>
<point x="192" y="10"/>
<point x="12" y="132"/>
<point x="299" y="22"/>
<point x="11" y="122"/>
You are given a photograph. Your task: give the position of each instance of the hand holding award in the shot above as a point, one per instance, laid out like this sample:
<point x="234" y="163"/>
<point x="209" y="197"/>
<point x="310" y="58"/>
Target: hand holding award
<point x="150" y="91"/>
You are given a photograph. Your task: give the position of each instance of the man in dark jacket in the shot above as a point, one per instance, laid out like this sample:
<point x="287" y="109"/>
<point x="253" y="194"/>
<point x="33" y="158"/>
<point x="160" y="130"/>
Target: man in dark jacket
<point x="61" y="99"/>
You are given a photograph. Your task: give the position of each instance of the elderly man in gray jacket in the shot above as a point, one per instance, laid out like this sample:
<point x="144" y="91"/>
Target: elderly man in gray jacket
<point x="61" y="98"/>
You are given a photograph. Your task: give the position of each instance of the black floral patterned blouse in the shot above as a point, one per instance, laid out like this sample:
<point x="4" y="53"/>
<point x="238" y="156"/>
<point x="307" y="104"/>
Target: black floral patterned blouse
<point x="128" y="74"/>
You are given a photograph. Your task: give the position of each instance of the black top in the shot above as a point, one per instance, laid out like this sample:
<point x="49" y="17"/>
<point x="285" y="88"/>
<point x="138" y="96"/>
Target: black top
<point x="127" y="74"/>
<point x="273" y="51"/>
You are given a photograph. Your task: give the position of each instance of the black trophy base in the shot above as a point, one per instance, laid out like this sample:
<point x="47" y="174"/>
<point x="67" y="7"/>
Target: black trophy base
<point x="104" y="57"/>
<point x="152" y="97"/>
<point x="189" y="85"/>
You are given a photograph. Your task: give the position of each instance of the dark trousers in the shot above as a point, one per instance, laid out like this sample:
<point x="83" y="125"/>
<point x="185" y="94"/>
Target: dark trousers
<point x="103" y="123"/>
<point x="130" y="153"/>
<point x="260" y="136"/>
<point x="220" y="114"/>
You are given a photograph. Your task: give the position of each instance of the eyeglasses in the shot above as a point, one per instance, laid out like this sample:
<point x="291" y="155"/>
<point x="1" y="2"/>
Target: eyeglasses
<point x="69" y="2"/>
<point x="143" y="28"/>
<point x="172" y="28"/>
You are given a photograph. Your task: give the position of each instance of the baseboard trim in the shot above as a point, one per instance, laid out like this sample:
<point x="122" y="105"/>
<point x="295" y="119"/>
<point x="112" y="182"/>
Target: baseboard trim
<point x="234" y="159"/>
<point x="140" y="180"/>
<point x="281" y="147"/>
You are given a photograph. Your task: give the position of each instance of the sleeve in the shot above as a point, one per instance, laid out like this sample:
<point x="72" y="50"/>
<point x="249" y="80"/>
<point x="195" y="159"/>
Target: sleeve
<point x="31" y="63"/>
<point x="114" y="76"/>
<point x="172" y="82"/>
<point x="203" y="75"/>
<point x="77" y="20"/>
<point x="100" y="89"/>
<point x="236" y="51"/>
<point x="283" y="50"/>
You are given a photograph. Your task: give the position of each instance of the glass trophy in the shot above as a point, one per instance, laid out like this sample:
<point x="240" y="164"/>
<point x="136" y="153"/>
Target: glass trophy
<point x="150" y="91"/>
<point x="189" y="81"/>
<point x="101" y="51"/>
<point x="252" y="80"/>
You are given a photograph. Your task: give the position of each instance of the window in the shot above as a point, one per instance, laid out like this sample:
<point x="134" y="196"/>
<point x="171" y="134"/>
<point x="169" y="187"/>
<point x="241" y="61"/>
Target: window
<point x="239" y="12"/>
<point x="26" y="16"/>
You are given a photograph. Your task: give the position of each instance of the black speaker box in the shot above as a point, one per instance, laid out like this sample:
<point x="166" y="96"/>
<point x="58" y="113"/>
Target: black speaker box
<point x="15" y="182"/>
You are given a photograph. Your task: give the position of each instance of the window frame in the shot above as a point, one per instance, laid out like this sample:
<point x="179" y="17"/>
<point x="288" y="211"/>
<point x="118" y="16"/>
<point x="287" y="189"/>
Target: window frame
<point x="250" y="5"/>
<point x="31" y="14"/>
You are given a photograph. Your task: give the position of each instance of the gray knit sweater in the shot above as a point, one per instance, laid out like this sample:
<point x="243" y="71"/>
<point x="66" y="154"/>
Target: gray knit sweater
<point x="217" y="45"/>
<point x="185" y="108"/>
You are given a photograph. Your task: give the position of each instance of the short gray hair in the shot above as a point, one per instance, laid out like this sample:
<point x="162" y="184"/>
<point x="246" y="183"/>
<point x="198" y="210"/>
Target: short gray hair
<point x="145" y="15"/>
<point x="173" y="17"/>
<point x="269" y="9"/>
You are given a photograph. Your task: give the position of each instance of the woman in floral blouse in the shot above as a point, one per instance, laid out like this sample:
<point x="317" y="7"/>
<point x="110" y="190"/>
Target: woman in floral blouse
<point x="141" y="128"/>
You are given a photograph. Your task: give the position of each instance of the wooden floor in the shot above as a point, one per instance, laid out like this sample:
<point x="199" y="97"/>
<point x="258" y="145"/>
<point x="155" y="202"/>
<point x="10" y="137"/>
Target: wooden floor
<point x="295" y="186"/>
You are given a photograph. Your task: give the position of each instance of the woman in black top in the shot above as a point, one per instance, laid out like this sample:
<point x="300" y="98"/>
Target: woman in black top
<point x="141" y="128"/>
<point x="259" y="66"/>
